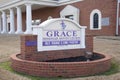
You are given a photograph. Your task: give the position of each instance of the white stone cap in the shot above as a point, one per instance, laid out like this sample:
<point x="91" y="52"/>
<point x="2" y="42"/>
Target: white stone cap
<point x="47" y="22"/>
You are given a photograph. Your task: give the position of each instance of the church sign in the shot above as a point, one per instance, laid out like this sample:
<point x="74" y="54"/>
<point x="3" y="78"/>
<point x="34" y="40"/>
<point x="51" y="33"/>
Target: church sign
<point x="60" y="34"/>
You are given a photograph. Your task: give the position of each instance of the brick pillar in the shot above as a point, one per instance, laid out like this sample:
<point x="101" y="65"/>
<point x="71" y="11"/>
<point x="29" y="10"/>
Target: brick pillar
<point x="29" y="49"/>
<point x="89" y="43"/>
<point x="28" y="46"/>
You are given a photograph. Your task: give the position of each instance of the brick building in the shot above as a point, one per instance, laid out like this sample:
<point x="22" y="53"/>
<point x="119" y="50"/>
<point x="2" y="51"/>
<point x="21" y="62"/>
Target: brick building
<point x="100" y="16"/>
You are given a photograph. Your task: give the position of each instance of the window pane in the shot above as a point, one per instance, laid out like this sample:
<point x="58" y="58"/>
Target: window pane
<point x="95" y="20"/>
<point x="69" y="17"/>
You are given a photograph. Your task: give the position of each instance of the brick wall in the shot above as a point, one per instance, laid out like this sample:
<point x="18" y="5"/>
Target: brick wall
<point x="58" y="69"/>
<point x="107" y="8"/>
<point x="30" y="52"/>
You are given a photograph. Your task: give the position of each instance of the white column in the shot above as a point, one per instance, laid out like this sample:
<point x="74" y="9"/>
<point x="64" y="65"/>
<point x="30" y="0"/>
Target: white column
<point x="117" y="17"/>
<point x="19" y="21"/>
<point x="28" y="19"/>
<point x="0" y="23"/>
<point x="4" y="22"/>
<point x="12" y="24"/>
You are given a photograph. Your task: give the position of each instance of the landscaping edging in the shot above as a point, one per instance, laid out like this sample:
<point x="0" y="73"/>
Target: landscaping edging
<point x="60" y="69"/>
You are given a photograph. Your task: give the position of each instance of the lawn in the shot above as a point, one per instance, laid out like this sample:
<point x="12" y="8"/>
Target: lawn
<point x="6" y="65"/>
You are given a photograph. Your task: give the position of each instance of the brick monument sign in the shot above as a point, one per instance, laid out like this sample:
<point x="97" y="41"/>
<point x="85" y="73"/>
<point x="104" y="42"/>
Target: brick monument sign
<point x="58" y="48"/>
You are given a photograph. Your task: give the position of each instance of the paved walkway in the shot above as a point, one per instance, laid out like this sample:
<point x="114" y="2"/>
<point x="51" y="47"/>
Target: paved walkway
<point x="109" y="37"/>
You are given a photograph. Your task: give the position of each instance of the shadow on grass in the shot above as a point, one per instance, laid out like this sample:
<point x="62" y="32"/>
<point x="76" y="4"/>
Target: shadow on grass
<point x="115" y="68"/>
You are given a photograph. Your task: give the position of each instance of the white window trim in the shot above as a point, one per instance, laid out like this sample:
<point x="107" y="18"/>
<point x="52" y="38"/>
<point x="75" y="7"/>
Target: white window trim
<point x="91" y="19"/>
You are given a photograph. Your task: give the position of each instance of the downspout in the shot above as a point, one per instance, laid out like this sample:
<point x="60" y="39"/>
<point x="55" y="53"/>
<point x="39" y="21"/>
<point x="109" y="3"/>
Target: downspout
<point x="117" y="17"/>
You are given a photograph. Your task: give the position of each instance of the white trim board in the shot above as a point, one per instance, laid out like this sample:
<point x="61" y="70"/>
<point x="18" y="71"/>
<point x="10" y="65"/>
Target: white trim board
<point x="15" y="3"/>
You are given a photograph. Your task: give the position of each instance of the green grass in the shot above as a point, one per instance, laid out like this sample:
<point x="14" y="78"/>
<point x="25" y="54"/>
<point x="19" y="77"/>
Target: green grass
<point x="115" y="68"/>
<point x="6" y="66"/>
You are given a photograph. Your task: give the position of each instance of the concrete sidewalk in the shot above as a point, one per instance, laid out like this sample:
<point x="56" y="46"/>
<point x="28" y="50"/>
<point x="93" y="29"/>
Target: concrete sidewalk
<point x="108" y="37"/>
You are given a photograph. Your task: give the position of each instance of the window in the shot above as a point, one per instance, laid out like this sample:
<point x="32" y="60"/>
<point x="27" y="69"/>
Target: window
<point x="95" y="20"/>
<point x="69" y="17"/>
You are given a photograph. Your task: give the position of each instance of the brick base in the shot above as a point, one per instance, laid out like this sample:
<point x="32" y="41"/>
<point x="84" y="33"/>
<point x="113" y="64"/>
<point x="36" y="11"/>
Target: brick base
<point x="60" y="69"/>
<point x="31" y="53"/>
<point x="30" y="61"/>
